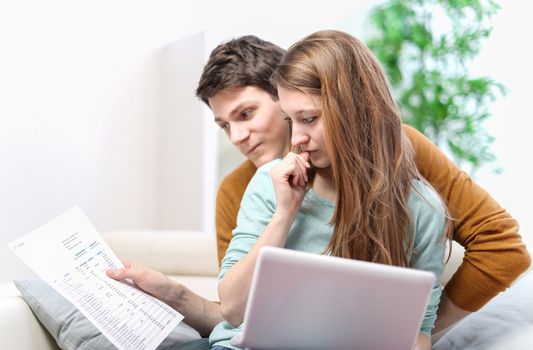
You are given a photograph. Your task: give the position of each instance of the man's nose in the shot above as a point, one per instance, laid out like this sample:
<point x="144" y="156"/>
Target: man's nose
<point x="238" y="134"/>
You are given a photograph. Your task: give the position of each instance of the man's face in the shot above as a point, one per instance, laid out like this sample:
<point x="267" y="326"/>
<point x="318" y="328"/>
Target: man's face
<point x="253" y="122"/>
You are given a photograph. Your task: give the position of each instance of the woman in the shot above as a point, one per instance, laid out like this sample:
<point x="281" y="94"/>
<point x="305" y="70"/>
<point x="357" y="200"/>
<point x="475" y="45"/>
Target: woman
<point x="352" y="191"/>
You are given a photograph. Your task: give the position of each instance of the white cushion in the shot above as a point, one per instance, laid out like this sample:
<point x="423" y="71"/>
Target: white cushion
<point x="509" y="312"/>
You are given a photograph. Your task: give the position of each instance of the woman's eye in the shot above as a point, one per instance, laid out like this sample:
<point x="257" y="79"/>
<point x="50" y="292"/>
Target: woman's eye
<point x="224" y="126"/>
<point x="287" y="119"/>
<point x="309" y="120"/>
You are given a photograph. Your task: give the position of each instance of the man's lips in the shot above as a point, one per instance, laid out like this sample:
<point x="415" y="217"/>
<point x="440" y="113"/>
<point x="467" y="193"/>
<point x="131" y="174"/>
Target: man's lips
<point x="253" y="148"/>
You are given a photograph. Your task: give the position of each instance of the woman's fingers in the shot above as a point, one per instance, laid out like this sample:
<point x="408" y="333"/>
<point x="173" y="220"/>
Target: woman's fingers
<point x="300" y="166"/>
<point x="294" y="170"/>
<point x="303" y="165"/>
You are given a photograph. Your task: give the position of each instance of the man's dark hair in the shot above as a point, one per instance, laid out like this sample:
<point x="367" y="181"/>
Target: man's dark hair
<point x="245" y="61"/>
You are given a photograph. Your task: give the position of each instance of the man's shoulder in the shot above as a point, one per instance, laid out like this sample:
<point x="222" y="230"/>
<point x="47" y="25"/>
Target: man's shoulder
<point x="238" y="178"/>
<point x="243" y="173"/>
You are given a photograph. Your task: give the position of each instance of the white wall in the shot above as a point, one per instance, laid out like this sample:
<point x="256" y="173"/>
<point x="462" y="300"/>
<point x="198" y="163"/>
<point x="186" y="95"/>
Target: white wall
<point x="87" y="117"/>
<point x="180" y="146"/>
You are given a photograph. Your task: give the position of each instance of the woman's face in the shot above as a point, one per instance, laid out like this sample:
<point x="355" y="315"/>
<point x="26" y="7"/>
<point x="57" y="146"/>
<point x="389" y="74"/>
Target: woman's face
<point x="307" y="129"/>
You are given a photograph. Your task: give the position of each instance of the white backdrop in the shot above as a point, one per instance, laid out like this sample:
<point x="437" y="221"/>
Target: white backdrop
<point x="93" y="111"/>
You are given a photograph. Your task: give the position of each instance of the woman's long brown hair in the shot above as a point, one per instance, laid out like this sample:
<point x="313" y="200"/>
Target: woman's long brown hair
<point x="371" y="158"/>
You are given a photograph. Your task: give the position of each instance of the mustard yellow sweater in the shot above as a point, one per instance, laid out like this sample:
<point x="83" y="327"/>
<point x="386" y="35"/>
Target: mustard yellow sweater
<point x="495" y="254"/>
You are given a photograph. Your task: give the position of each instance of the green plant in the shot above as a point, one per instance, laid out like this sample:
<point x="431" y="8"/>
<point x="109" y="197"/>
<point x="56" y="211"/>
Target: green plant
<point x="425" y="47"/>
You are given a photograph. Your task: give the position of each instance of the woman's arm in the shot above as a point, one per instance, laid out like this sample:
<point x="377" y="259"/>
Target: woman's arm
<point x="447" y="315"/>
<point x="428" y="221"/>
<point x="234" y="288"/>
<point x="423" y="342"/>
<point x="288" y="179"/>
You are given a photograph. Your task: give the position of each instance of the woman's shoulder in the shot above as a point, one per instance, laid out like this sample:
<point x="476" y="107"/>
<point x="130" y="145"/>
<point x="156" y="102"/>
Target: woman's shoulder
<point x="261" y="182"/>
<point x="265" y="168"/>
<point x="423" y="198"/>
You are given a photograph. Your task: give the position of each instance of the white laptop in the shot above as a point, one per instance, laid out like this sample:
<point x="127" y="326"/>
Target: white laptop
<point x="309" y="301"/>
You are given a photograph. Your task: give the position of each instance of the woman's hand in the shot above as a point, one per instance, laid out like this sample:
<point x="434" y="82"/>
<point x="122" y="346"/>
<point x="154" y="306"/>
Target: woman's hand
<point x="423" y="342"/>
<point x="289" y="179"/>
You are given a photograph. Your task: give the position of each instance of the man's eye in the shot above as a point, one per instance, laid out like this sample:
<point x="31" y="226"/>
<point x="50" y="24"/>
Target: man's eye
<point x="246" y="114"/>
<point x="288" y="120"/>
<point x="309" y="120"/>
<point x="224" y="126"/>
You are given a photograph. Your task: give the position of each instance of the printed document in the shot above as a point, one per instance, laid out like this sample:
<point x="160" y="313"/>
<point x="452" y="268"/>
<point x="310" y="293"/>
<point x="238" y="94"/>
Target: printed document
<point x="70" y="255"/>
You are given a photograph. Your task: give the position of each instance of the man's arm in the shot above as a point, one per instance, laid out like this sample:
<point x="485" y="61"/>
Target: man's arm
<point x="201" y="314"/>
<point x="228" y="203"/>
<point x="227" y="208"/>
<point x="495" y="254"/>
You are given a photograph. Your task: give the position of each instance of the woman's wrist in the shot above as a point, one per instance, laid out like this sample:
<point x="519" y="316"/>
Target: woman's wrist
<point x="280" y="225"/>
<point x="284" y="217"/>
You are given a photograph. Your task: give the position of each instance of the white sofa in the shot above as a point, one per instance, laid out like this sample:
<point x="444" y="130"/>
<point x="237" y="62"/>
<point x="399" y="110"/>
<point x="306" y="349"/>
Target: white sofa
<point x="189" y="257"/>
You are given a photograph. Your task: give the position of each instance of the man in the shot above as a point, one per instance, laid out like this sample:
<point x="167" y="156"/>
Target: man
<point x="236" y="86"/>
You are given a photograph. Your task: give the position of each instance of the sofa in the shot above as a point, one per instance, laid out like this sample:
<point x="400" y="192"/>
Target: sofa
<point x="188" y="257"/>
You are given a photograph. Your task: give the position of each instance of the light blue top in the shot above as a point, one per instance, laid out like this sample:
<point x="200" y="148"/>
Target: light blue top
<point x="311" y="232"/>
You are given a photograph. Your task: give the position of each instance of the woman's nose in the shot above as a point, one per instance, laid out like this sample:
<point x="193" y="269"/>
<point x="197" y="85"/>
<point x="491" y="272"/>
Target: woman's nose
<point x="298" y="139"/>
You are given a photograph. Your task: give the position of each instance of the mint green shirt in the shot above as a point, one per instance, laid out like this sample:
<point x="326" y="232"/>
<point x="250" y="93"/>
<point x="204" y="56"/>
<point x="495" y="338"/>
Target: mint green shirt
<point x="311" y="232"/>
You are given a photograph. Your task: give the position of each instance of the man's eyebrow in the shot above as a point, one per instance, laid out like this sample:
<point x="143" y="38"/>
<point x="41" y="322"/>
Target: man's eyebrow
<point x="234" y="110"/>
<point x="240" y="105"/>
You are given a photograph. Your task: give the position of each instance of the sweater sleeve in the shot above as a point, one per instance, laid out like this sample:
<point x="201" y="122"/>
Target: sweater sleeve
<point x="228" y="202"/>
<point x="225" y="218"/>
<point x="428" y="219"/>
<point x="495" y="254"/>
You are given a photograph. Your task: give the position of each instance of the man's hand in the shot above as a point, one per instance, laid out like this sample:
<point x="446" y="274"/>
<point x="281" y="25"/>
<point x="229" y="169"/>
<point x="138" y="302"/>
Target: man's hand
<point x="151" y="281"/>
<point x="199" y="313"/>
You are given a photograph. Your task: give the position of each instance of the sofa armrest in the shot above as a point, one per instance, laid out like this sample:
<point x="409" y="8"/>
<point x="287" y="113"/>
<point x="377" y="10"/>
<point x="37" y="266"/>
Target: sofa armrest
<point x="19" y="328"/>
<point x="186" y="253"/>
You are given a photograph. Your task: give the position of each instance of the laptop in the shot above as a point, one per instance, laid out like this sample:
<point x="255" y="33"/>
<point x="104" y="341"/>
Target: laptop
<point x="308" y="301"/>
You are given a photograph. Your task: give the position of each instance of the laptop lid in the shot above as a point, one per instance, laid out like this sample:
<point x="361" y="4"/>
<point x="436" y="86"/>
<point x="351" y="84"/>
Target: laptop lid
<point x="308" y="301"/>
